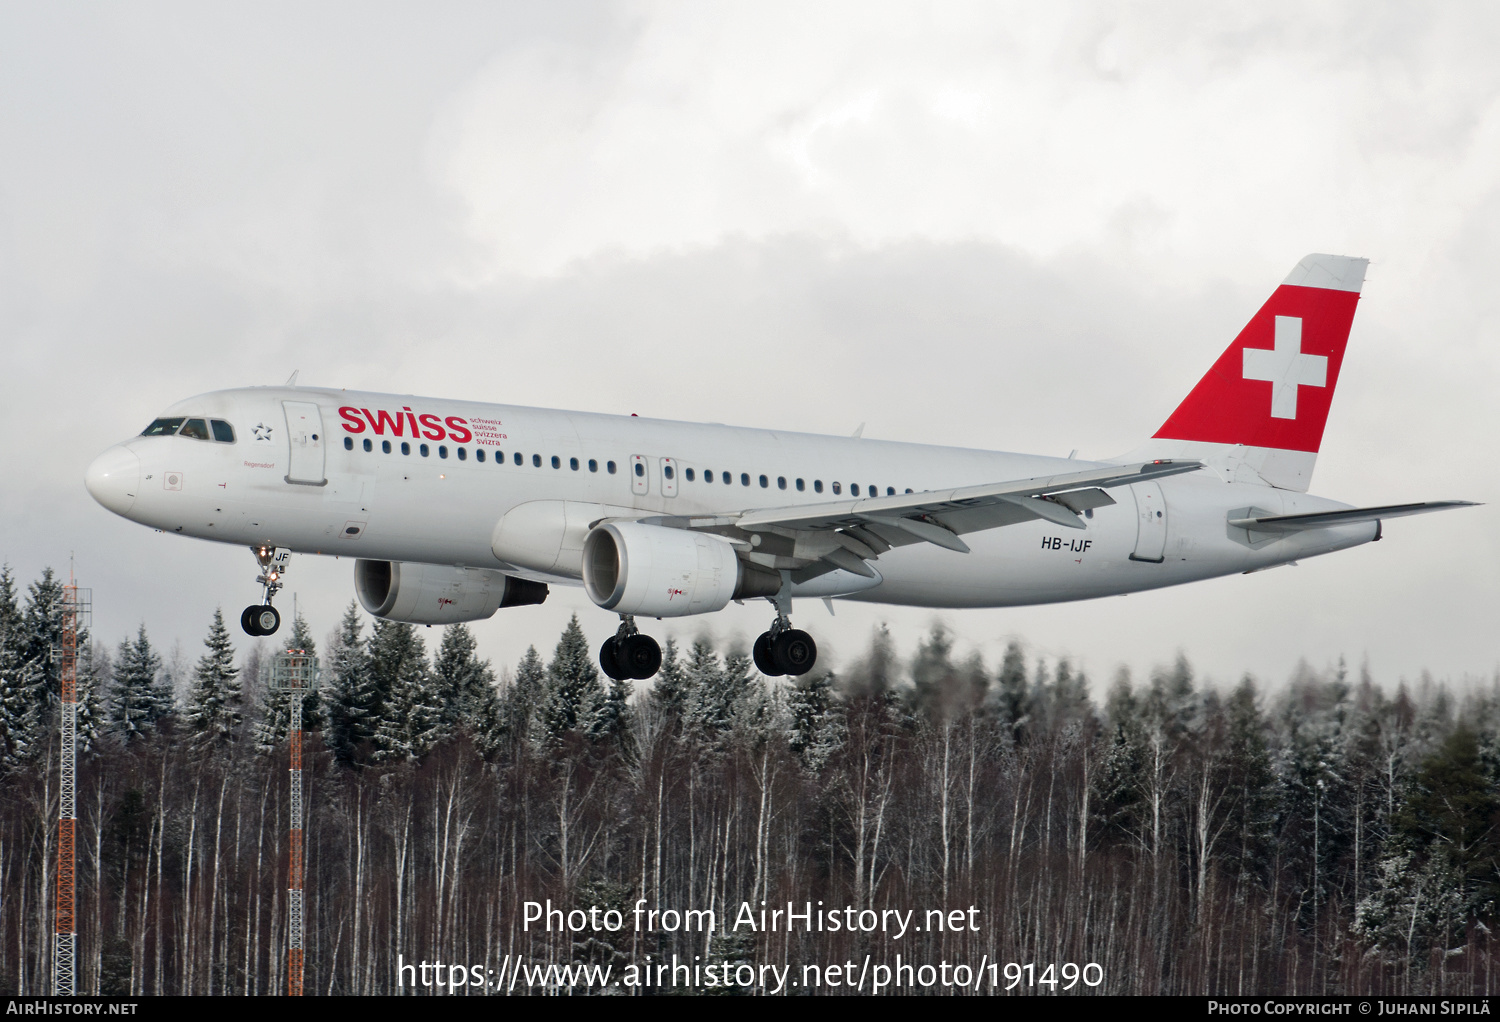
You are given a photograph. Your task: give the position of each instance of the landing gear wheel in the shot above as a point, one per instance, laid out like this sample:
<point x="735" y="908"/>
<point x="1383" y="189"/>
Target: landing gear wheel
<point x="265" y="619"/>
<point x="794" y="652"/>
<point x="638" y="655"/>
<point x="609" y="661"/>
<point x="765" y="657"/>
<point x="247" y="620"/>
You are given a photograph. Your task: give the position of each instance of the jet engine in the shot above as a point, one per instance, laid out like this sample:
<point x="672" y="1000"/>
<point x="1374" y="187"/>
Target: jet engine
<point x="653" y="571"/>
<point x="439" y="594"/>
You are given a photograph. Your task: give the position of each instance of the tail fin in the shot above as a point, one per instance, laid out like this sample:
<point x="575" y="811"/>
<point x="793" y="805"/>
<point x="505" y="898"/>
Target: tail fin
<point x="1264" y="403"/>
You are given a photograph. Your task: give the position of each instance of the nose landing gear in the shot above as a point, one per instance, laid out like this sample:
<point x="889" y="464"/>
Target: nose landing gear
<point x="784" y="649"/>
<point x="629" y="654"/>
<point x="264" y="619"/>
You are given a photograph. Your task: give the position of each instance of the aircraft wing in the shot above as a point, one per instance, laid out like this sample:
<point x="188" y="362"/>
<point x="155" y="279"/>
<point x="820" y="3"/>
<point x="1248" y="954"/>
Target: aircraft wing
<point x="811" y="539"/>
<point x="1325" y="519"/>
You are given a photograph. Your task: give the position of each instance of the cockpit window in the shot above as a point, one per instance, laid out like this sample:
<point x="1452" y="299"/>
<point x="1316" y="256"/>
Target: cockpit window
<point x="194" y="429"/>
<point x="223" y="431"/>
<point x="162" y="427"/>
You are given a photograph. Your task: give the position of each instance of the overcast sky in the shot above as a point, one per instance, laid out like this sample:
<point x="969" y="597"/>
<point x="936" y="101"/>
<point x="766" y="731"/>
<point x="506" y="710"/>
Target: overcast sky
<point x="1024" y="227"/>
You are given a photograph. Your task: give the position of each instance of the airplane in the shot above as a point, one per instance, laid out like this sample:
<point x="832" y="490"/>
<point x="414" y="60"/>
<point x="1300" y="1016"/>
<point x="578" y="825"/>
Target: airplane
<point x="453" y="510"/>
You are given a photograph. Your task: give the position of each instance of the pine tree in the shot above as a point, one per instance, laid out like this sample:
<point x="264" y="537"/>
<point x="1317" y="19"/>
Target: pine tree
<point x="349" y="695"/>
<point x="817" y="727"/>
<point x="707" y="708"/>
<point x="139" y="700"/>
<point x="93" y="676"/>
<point x="573" y="694"/>
<point x="213" y="715"/>
<point x="612" y="722"/>
<point x="274" y="726"/>
<point x="464" y="687"/>
<point x="19" y="724"/>
<point x="43" y="625"/>
<point x="670" y="689"/>
<point x="524" y="694"/>
<point x="1012" y="705"/>
<point x="409" y="717"/>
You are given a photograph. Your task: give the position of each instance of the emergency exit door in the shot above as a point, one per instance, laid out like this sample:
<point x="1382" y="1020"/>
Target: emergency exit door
<point x="1151" y="523"/>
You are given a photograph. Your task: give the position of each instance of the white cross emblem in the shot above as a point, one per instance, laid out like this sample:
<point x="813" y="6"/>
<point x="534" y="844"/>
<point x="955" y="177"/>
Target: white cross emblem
<point x="1285" y="367"/>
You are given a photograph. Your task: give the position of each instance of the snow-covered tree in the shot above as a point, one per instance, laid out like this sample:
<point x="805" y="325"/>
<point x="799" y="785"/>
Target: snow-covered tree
<point x="573" y="694"/>
<point x="213" y="714"/>
<point x="138" y="699"/>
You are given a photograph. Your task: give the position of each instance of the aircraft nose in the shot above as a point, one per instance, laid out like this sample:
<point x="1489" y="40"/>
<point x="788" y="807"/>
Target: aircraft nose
<point x="114" y="479"/>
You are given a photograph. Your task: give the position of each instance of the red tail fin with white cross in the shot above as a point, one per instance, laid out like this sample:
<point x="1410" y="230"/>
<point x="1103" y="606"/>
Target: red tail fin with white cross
<point x="1265" y="401"/>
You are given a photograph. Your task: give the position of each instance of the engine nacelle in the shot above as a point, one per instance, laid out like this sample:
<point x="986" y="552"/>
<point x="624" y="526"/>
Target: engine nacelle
<point x="654" y="571"/>
<point x="439" y="594"/>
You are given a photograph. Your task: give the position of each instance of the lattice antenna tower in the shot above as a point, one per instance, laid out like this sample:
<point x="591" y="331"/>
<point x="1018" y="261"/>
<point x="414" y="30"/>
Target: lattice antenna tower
<point x="294" y="672"/>
<point x="77" y="614"/>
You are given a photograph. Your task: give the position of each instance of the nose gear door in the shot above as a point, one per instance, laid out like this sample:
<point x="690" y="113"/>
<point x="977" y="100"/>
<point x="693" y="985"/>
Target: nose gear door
<point x="1151" y="523"/>
<point x="304" y="432"/>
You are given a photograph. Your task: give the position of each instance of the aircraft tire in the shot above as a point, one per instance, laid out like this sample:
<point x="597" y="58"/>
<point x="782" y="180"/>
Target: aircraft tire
<point x="247" y="620"/>
<point x="609" y="659"/>
<point x="266" y="619"/>
<point x="640" y="657"/>
<point x="795" y="652"/>
<point x="765" y="658"/>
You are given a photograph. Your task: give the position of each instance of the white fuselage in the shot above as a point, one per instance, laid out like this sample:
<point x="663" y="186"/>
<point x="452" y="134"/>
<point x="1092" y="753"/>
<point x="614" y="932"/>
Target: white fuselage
<point x="444" y="509"/>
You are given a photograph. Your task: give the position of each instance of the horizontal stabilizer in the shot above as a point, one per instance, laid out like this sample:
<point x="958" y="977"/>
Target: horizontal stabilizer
<point x="1326" y="519"/>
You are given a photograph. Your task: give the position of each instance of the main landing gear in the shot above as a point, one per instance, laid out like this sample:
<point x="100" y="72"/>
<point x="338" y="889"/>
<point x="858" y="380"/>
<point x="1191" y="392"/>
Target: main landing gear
<point x="784" y="649"/>
<point x="629" y="654"/>
<point x="264" y="619"/>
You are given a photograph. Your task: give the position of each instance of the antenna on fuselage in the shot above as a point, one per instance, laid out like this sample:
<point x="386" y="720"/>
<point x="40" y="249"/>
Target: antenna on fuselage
<point x="291" y="381"/>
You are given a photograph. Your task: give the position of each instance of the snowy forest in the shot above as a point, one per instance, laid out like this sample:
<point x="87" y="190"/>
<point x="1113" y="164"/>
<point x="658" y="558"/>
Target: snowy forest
<point x="1325" y="833"/>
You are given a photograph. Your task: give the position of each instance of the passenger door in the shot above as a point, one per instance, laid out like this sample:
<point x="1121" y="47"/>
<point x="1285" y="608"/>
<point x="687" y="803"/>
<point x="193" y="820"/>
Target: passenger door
<point x="668" y="477"/>
<point x="304" y="433"/>
<point x="640" y="475"/>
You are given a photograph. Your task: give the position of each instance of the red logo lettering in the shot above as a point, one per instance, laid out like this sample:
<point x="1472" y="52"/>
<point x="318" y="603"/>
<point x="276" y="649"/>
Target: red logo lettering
<point x="351" y="419"/>
<point x="674" y="593"/>
<point x="383" y="420"/>
<point x="456" y="430"/>
<point x="434" y="430"/>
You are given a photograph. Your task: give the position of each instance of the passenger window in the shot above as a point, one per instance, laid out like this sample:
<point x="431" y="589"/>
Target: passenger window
<point x="422" y="449"/>
<point x="908" y="489"/>
<point x="518" y="460"/>
<point x="817" y="486"/>
<point x="162" y="427"/>
<point x="837" y="488"/>
<point x="442" y="450"/>
<point x="405" y="447"/>
<point x="890" y="491"/>
<point x="593" y="465"/>
<point x="667" y="471"/>
<point x="194" y="429"/>
<point x="853" y="488"/>
<point x="874" y="490"/>
<point x="573" y="464"/>
<point x="744" y="478"/>
<point x="689" y="473"/>
<point x="801" y="486"/>
<point x="368" y="446"/>
<point x="556" y="461"/>
<point x="781" y="482"/>
<point x="611" y="467"/>
<point x="536" y="461"/>
<point x="727" y="478"/>
<point x="640" y="469"/>
<point x="463" y="454"/>
<point x="223" y="431"/>
<point x="348" y="443"/>
<point x="479" y="454"/>
<point x="764" y="482"/>
<point x="385" y="447"/>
